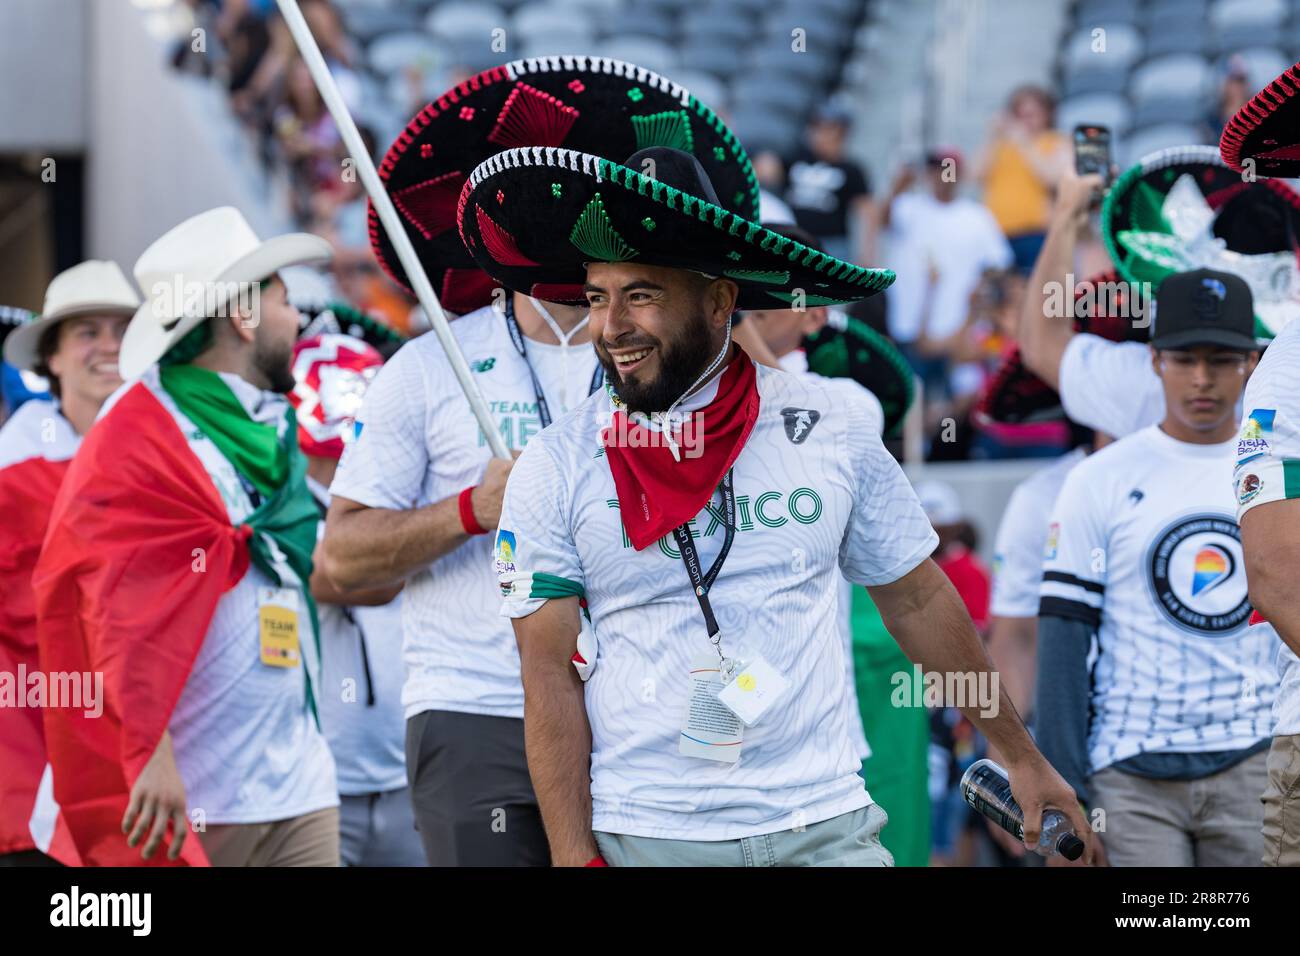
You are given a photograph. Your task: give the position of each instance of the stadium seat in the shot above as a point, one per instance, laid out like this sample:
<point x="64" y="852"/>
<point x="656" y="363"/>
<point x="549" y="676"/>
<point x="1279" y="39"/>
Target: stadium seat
<point x="643" y="51"/>
<point x="464" y="22"/>
<point x="1262" y="64"/>
<point x="1143" y="141"/>
<point x="705" y="87"/>
<point x="1170" y="77"/>
<point x="394" y="52"/>
<point x="1105" y="109"/>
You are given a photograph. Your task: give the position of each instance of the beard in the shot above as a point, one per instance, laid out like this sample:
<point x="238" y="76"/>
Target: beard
<point x="681" y="361"/>
<point x="275" y="361"/>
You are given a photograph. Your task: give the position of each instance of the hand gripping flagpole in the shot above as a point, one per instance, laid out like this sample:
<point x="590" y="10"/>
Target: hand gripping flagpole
<point x="329" y="92"/>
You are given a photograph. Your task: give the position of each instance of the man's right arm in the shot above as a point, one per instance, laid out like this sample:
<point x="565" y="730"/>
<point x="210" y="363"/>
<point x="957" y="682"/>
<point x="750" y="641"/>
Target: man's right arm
<point x="557" y="735"/>
<point x="1044" y="334"/>
<point x="372" y="547"/>
<point x="1270" y="538"/>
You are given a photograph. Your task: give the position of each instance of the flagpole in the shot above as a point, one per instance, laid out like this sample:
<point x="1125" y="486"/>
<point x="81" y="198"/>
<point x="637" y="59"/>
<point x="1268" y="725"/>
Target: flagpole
<point x="387" y="213"/>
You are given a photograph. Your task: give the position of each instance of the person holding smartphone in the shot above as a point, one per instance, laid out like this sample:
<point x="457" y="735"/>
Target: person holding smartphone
<point x="1019" y="169"/>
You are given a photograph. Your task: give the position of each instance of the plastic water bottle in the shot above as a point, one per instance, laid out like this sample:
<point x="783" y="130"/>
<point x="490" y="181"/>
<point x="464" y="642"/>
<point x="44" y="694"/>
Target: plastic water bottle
<point x="986" y="788"/>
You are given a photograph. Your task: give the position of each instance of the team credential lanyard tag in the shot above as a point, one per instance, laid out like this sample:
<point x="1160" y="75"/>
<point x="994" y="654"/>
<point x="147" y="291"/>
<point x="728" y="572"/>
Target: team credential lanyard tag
<point x="277" y="616"/>
<point x="752" y="691"/>
<point x="709" y="730"/>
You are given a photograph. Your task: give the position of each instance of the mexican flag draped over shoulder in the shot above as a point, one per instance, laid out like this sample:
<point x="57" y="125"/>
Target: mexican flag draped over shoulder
<point x="140" y="550"/>
<point x="37" y="444"/>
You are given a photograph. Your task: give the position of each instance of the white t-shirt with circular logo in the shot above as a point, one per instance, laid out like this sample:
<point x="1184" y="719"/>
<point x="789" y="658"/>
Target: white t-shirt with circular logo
<point x="1144" y="546"/>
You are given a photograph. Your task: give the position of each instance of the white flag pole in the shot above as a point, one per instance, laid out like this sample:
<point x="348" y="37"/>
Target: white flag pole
<point x="329" y="92"/>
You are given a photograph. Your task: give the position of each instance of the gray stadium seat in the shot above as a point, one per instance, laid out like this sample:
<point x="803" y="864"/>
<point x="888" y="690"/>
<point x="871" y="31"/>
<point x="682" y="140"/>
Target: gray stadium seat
<point x="1262" y="65"/>
<point x="394" y="52"/>
<point x="1172" y="76"/>
<point x="1104" y="109"/>
<point x="760" y="91"/>
<point x="1261" y="14"/>
<point x="708" y="89"/>
<point x="1123" y="46"/>
<point x="466" y="22"/>
<point x="643" y="51"/>
<point x="1140" y="142"/>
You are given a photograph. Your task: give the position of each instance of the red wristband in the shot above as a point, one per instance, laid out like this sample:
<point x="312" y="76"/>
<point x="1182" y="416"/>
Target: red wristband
<point x="467" y="519"/>
<point x="596" y="860"/>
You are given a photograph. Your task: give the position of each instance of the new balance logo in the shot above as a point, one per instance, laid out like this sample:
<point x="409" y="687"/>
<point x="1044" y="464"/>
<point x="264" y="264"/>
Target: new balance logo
<point x="799" y="423"/>
<point x="1136" y="495"/>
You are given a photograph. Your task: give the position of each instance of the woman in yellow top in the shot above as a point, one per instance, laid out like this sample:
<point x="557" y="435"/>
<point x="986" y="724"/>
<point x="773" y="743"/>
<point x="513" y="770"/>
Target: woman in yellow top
<point x="1019" y="168"/>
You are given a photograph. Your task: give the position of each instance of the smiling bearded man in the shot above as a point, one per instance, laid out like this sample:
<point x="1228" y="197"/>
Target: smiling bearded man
<point x="704" y="719"/>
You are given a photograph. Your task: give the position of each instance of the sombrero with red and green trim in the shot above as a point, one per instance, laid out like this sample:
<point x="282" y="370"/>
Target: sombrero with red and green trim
<point x="1183" y="208"/>
<point x="533" y="218"/>
<point x="590" y="104"/>
<point x="1265" y="132"/>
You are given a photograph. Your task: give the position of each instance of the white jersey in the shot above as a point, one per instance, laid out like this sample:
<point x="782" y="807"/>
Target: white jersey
<point x="834" y="505"/>
<point x="247" y="747"/>
<point x="417" y="443"/>
<point x="796" y="363"/>
<point x="1143" y="547"/>
<point x="1022" y="532"/>
<point x="1110" y="387"/>
<point x="1268" y="469"/>
<point x="360" y="696"/>
<point x="37" y="430"/>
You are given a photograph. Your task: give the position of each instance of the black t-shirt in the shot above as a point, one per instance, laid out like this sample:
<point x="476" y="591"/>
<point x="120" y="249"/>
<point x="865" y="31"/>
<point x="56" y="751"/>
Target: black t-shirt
<point x="820" y="193"/>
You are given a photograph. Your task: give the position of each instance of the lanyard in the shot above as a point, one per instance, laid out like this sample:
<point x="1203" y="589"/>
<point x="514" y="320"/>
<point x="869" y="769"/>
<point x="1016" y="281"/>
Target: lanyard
<point x="702" y="581"/>
<point x="516" y="336"/>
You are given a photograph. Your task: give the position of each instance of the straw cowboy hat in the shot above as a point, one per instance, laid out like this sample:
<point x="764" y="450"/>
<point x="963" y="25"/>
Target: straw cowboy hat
<point x="215" y="251"/>
<point x="95" y="287"/>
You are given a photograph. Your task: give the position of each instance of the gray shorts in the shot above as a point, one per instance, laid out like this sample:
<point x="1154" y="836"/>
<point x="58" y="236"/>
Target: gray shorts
<point x="850" y="839"/>
<point x="473" y="799"/>
<point x="1212" y="821"/>
<point x="378" y="829"/>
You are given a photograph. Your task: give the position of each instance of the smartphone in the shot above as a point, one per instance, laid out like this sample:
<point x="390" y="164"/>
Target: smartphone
<point x="1092" y="151"/>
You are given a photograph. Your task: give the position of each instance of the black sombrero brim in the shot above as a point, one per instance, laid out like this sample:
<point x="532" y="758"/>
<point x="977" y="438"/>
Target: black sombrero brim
<point x="533" y="218"/>
<point x="847" y="348"/>
<point x="1266" y="131"/>
<point x="590" y="104"/>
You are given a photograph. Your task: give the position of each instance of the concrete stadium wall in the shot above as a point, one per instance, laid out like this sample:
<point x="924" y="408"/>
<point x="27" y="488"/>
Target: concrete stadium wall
<point x="984" y="488"/>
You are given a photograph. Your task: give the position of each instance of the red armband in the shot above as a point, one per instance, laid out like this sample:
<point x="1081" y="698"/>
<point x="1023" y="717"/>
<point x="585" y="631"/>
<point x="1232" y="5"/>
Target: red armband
<point x="467" y="519"/>
<point x="596" y="860"/>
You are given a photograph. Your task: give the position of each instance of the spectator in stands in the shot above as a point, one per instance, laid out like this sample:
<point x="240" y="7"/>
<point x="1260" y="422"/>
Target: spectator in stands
<point x="1019" y="168"/>
<point x="310" y="141"/>
<point x="829" y="192"/>
<point x="943" y="243"/>
<point x="1234" y="92"/>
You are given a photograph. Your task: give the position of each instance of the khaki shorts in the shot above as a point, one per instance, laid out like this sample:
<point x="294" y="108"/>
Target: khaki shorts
<point x="1282" y="803"/>
<point x="309" y="840"/>
<point x="1210" y="821"/>
<point x="851" y="839"/>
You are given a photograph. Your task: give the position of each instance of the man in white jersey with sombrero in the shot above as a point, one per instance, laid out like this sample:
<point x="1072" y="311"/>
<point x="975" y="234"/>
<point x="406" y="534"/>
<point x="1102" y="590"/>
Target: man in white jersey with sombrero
<point x="712" y="727"/>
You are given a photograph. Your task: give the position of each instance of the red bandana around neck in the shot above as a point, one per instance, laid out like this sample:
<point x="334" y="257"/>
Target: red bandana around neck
<point x="656" y="493"/>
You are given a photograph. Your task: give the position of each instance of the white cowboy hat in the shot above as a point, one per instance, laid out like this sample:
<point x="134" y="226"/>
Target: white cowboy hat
<point x="215" y="249"/>
<point x="95" y="287"/>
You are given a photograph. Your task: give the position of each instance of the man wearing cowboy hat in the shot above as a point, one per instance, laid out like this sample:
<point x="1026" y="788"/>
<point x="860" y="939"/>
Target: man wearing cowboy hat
<point x="417" y="493"/>
<point x="74" y="345"/>
<point x="178" y="563"/>
<point x="712" y="725"/>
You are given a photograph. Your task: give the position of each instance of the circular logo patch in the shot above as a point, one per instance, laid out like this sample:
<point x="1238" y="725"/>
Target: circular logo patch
<point x="1198" y="577"/>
